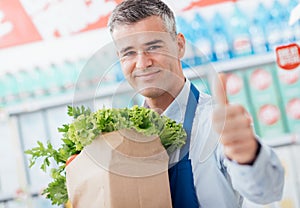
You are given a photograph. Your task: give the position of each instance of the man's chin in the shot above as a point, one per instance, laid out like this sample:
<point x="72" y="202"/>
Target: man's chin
<point x="151" y="92"/>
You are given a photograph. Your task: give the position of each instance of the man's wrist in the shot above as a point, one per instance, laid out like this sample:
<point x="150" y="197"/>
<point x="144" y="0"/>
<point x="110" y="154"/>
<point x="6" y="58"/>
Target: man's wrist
<point x="256" y="154"/>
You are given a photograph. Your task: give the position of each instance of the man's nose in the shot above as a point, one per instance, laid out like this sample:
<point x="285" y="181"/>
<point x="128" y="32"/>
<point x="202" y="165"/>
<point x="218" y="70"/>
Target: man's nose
<point x="143" y="60"/>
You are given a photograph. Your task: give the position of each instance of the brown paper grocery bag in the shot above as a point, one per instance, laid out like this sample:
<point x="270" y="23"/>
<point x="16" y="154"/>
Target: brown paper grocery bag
<point x="120" y="169"/>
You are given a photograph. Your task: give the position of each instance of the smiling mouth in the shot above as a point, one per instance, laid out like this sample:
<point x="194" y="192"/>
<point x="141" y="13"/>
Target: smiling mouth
<point x="148" y="74"/>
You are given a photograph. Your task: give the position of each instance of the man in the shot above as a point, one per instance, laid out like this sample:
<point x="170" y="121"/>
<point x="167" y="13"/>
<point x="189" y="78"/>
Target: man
<point x="150" y="50"/>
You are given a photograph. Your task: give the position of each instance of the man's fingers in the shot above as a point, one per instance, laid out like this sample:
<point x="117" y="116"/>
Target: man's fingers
<point x="232" y="125"/>
<point x="236" y="137"/>
<point x="232" y="110"/>
<point x="235" y="119"/>
<point x="219" y="90"/>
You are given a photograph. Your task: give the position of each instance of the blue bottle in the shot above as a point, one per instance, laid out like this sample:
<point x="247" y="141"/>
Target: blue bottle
<point x="287" y="30"/>
<point x="39" y="85"/>
<point x="274" y="27"/>
<point x="189" y="57"/>
<point x="2" y="92"/>
<point x="12" y="89"/>
<point x="53" y="78"/>
<point x="202" y="40"/>
<point x="296" y="26"/>
<point x="220" y="40"/>
<point x="69" y="75"/>
<point x="257" y="30"/>
<point x="240" y="37"/>
<point x="24" y="80"/>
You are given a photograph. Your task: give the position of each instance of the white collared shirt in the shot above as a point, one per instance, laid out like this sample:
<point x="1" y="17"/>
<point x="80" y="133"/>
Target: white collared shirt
<point x="221" y="183"/>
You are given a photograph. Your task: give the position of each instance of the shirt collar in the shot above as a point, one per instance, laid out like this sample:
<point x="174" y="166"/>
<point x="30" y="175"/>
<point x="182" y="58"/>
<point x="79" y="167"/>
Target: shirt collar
<point x="176" y="109"/>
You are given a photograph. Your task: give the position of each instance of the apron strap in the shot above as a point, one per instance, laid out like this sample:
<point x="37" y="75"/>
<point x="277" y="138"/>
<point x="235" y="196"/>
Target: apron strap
<point x="189" y="118"/>
<point x="181" y="179"/>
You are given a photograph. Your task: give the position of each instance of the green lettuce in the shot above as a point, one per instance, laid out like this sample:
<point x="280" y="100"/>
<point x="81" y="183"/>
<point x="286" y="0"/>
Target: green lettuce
<point x="86" y="126"/>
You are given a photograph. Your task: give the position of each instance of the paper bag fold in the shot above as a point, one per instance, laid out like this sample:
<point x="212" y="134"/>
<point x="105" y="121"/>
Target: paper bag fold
<point x="120" y="169"/>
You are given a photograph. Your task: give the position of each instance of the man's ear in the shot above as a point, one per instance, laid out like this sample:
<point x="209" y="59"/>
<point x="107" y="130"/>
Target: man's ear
<point x="181" y="44"/>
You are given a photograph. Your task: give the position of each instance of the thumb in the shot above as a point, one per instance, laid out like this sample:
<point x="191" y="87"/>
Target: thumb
<point x="219" y="90"/>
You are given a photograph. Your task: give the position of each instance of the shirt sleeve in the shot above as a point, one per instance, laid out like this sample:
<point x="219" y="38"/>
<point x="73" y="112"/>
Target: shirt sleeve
<point x="263" y="181"/>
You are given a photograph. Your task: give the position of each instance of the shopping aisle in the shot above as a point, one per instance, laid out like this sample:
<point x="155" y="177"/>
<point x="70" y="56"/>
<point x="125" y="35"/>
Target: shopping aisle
<point x="49" y="67"/>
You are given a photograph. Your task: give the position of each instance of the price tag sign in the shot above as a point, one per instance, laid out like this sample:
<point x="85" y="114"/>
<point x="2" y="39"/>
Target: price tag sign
<point x="288" y="56"/>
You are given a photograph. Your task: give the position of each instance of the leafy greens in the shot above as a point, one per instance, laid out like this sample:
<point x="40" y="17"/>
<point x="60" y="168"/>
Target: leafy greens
<point x="86" y="126"/>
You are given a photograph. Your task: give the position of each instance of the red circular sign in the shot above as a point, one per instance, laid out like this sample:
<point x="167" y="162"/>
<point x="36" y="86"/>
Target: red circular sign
<point x="269" y="114"/>
<point x="234" y="84"/>
<point x="261" y="79"/>
<point x="289" y="77"/>
<point x="293" y="108"/>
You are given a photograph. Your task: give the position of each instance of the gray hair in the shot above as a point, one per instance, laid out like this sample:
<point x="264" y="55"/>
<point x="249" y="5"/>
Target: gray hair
<point x="131" y="11"/>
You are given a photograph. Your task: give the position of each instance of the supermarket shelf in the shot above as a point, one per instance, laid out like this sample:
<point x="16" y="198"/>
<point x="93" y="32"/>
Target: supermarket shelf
<point x="65" y="99"/>
<point x="8" y="198"/>
<point x="285" y="140"/>
<point x="245" y="62"/>
<point x="230" y="65"/>
<point x="193" y="73"/>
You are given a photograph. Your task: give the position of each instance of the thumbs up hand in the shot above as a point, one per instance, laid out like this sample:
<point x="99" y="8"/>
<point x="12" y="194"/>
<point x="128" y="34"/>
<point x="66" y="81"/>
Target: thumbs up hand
<point x="233" y="123"/>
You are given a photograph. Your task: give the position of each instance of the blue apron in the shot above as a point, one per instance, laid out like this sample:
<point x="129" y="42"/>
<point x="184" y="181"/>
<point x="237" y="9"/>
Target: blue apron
<point x="182" y="187"/>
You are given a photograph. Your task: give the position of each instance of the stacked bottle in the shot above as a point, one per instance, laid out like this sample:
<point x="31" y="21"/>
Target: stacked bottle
<point x="224" y="37"/>
<point x="220" y="39"/>
<point x="257" y="30"/>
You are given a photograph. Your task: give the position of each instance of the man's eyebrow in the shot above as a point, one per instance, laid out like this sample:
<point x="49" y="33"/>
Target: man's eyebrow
<point x="153" y="42"/>
<point x="126" y="49"/>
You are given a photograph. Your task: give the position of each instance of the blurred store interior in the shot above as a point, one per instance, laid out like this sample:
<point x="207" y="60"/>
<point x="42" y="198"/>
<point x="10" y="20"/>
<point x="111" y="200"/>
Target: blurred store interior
<point x="55" y="53"/>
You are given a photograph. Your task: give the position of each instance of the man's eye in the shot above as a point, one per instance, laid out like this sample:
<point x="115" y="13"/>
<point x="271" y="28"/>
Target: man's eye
<point x="129" y="54"/>
<point x="153" y="48"/>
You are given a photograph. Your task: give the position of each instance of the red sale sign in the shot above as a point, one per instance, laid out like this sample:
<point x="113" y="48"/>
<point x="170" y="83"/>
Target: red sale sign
<point x="202" y="3"/>
<point x="30" y="21"/>
<point x="16" y="27"/>
<point x="288" y="56"/>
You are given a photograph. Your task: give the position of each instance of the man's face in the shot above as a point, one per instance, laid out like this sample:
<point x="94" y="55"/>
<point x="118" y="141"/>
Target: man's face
<point x="150" y="56"/>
